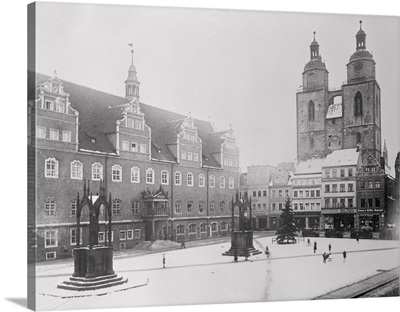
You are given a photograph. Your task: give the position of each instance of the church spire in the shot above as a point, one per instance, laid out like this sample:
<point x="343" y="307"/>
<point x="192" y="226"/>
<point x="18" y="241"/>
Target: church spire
<point x="314" y="49"/>
<point x="360" y="38"/>
<point x="132" y="83"/>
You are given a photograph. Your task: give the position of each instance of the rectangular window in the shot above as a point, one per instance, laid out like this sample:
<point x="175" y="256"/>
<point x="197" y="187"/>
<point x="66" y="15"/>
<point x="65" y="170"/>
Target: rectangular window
<point x="307" y="194"/>
<point x="273" y="193"/>
<point x="342" y="173"/>
<point x="51" y="255"/>
<point x="195" y="157"/>
<point x="312" y="206"/>
<point x="134" y="147"/>
<point x="254" y="193"/>
<point x="125" y="145"/>
<point x="137" y="234"/>
<point x="363" y="202"/>
<point x="307" y="205"/>
<point x="264" y="206"/>
<point x="138" y="124"/>
<point x="122" y="235"/>
<point x="280" y="206"/>
<point x="189" y="156"/>
<point x="301" y="206"/>
<point x="54" y="134"/>
<point x="370" y="202"/>
<point x="294" y="193"/>
<point x="334" y="202"/>
<point x="326" y="173"/>
<point x="296" y="206"/>
<point x="317" y="193"/>
<point x="350" y="172"/>
<point x="327" y="203"/>
<point x="101" y="237"/>
<point x="41" y="132"/>
<point x="334" y="188"/>
<point x="370" y="184"/>
<point x="264" y="193"/>
<point x="130" y="123"/>
<point x="350" y="187"/>
<point x="301" y="194"/>
<point x="51" y="238"/>
<point x="342" y="202"/>
<point x="280" y="193"/>
<point x="212" y="206"/>
<point x="312" y="193"/>
<point x="342" y="187"/>
<point x="334" y="173"/>
<point x="129" y="234"/>
<point x="189" y="206"/>
<point x="377" y="184"/>
<point x="135" y="207"/>
<point x="60" y="107"/>
<point x="183" y="155"/>
<point x="350" y="202"/>
<point x="73" y="236"/>
<point x="49" y="105"/>
<point x="362" y="185"/>
<point x="259" y="193"/>
<point x="318" y="206"/>
<point x="377" y="202"/>
<point x="273" y="206"/>
<point x="258" y="206"/>
<point x="143" y="148"/>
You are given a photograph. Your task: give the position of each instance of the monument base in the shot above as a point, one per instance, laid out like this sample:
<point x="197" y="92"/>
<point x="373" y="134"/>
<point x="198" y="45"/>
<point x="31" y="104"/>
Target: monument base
<point x="83" y="283"/>
<point x="241" y="244"/>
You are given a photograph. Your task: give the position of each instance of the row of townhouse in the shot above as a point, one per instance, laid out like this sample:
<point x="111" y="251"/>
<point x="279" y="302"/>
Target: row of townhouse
<point x="169" y="176"/>
<point x="342" y="191"/>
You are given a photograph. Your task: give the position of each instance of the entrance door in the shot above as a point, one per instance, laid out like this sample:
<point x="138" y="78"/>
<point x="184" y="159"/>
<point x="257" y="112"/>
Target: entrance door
<point x="148" y="231"/>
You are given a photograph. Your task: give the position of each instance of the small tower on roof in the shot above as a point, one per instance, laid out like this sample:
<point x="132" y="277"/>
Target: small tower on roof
<point x="132" y="83"/>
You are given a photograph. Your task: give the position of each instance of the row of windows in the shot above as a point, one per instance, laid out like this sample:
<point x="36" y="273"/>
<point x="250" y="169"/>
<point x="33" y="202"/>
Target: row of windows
<point x="258" y="207"/>
<point x="57" y="106"/>
<point x="260" y="193"/>
<point x="190" y="136"/>
<point x="201" y="207"/>
<point x="133" y="147"/>
<point x="370" y="184"/>
<point x="51" y="236"/>
<point x="307" y="206"/>
<point x="54" y="134"/>
<point x="338" y="202"/>
<point x="342" y="188"/>
<point x="134" y="123"/>
<point x="306" y="181"/>
<point x="369" y="202"/>
<point x="230" y="162"/>
<point x="279" y="193"/>
<point x="190" y="156"/>
<point x="306" y="194"/>
<point x="51" y="171"/>
<point x="180" y="229"/>
<point x="342" y="173"/>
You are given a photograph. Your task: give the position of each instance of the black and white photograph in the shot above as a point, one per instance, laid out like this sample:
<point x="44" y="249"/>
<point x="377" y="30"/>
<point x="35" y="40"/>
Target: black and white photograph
<point x="182" y="156"/>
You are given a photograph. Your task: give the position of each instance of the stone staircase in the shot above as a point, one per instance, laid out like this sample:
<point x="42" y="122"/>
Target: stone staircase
<point x="82" y="283"/>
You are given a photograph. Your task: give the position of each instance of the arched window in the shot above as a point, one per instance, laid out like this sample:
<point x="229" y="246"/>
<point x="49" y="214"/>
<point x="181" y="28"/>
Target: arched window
<point x="202" y="180"/>
<point x="203" y="228"/>
<point x="76" y="170"/>
<point x="212" y="181"/>
<point x="178" y="178"/>
<point x="311" y="111"/>
<point x="231" y="183"/>
<point x="202" y="207"/>
<point x="358" y="103"/>
<point x="192" y="228"/>
<point x="97" y="171"/>
<point x="221" y="206"/>
<point x="190" y="206"/>
<point x="51" y="166"/>
<point x="150" y="176"/>
<point x="135" y="175"/>
<point x="190" y="179"/>
<point x="164" y="177"/>
<point x="180" y="229"/>
<point x="116" y="171"/>
<point x="222" y="182"/>
<point x="178" y="206"/>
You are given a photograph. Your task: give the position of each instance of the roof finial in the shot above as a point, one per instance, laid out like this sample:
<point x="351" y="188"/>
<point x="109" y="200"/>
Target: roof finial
<point x="131" y="45"/>
<point x="314" y="34"/>
<point x="360" y="24"/>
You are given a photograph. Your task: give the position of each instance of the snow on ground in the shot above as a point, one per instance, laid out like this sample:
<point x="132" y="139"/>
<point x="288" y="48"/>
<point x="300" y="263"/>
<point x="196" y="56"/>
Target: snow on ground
<point x="202" y="275"/>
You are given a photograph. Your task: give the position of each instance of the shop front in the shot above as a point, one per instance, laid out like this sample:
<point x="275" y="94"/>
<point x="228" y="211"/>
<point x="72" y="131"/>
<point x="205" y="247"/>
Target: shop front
<point x="371" y="218"/>
<point x="307" y="219"/>
<point x="343" y="219"/>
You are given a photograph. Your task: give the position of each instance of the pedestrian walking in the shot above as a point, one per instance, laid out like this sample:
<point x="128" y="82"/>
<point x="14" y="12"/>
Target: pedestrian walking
<point x="183" y="244"/>
<point x="315" y="247"/>
<point x="329" y="247"/>
<point x="344" y="255"/>
<point x="163" y="261"/>
<point x="308" y="242"/>
<point x="267" y="252"/>
<point x="324" y="257"/>
<point x="358" y="238"/>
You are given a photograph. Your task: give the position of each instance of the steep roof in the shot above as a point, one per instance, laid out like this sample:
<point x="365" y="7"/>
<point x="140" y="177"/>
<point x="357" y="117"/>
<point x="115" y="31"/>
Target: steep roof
<point x="343" y="157"/>
<point x="311" y="166"/>
<point x="99" y="111"/>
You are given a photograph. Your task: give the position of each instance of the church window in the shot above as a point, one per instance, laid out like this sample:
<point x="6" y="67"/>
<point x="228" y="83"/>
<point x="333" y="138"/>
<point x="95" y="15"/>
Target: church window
<point x="135" y="175"/>
<point x="116" y="173"/>
<point x="97" y="171"/>
<point x="190" y="179"/>
<point x="164" y="177"/>
<point x="222" y="182"/>
<point x="201" y="180"/>
<point x="178" y="178"/>
<point x="232" y="183"/>
<point x="150" y="176"/>
<point x="311" y="111"/>
<point x="358" y="104"/>
<point x="76" y="170"/>
<point x="212" y="181"/>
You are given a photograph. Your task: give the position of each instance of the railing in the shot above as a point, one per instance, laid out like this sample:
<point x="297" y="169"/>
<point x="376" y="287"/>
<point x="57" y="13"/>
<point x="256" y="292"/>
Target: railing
<point x="155" y="212"/>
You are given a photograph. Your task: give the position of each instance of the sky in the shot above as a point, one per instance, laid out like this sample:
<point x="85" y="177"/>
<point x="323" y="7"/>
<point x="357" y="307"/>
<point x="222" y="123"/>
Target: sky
<point x="238" y="68"/>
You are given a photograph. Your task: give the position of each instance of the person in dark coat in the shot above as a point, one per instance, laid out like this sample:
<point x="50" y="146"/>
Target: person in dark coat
<point x="315" y="247"/>
<point x="324" y="257"/>
<point x="163" y="261"/>
<point x="308" y="242"/>
<point x="329" y="247"/>
<point x="267" y="252"/>
<point x="358" y="238"/>
<point x="235" y="256"/>
<point x="344" y="255"/>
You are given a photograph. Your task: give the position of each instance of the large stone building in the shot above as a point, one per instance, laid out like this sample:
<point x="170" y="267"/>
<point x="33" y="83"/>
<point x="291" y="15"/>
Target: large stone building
<point x="329" y="120"/>
<point x="170" y="176"/>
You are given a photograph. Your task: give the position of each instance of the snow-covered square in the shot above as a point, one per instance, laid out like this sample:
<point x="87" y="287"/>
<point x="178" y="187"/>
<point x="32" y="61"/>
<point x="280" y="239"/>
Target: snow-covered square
<point x="200" y="275"/>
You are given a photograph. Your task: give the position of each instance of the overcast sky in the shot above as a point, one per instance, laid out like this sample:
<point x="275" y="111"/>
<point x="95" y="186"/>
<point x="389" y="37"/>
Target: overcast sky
<point x="238" y="67"/>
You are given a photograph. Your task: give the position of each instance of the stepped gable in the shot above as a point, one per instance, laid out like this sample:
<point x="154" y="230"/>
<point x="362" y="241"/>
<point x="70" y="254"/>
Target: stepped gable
<point x="99" y="111"/>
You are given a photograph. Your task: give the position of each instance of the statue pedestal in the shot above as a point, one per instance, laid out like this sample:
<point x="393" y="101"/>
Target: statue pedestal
<point x="93" y="269"/>
<point x="241" y="244"/>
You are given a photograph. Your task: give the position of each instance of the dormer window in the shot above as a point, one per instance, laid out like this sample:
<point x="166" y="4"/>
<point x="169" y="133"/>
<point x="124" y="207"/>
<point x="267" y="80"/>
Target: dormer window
<point x="49" y="105"/>
<point x="60" y="107"/>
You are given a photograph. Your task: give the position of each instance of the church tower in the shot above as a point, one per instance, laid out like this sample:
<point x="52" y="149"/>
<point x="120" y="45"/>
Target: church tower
<point x="362" y="101"/>
<point x="132" y="83"/>
<point x="312" y="106"/>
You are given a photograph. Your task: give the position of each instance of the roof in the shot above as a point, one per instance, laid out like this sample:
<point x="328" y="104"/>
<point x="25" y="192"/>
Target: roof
<point x="315" y="64"/>
<point x="344" y="157"/>
<point x="334" y="111"/>
<point x="99" y="111"/>
<point x="311" y="166"/>
<point x="361" y="54"/>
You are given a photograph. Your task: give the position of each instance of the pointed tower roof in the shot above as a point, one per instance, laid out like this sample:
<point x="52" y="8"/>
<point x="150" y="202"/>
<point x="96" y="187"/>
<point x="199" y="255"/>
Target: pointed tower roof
<point x="315" y="58"/>
<point x="361" y="48"/>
